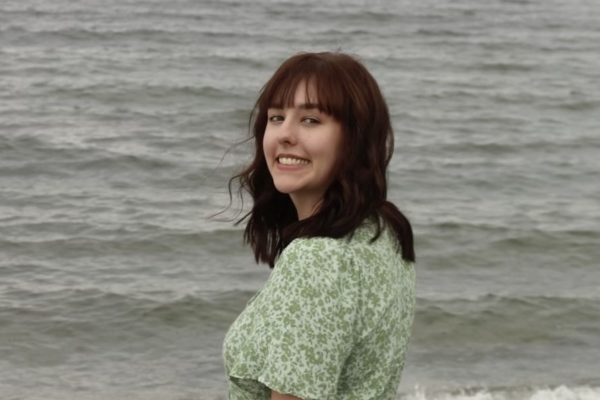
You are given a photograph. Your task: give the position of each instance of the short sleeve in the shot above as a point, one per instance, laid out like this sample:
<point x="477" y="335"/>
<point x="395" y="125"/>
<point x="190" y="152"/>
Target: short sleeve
<point x="309" y="315"/>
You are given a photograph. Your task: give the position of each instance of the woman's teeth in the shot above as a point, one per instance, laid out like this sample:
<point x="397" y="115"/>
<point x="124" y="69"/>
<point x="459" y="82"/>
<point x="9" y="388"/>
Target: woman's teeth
<point x="292" y="161"/>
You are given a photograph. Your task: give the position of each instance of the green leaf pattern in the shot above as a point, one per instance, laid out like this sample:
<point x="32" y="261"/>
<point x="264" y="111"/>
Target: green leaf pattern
<point x="332" y="322"/>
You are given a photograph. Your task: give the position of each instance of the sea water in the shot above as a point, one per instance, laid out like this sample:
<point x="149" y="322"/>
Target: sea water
<point x="118" y="129"/>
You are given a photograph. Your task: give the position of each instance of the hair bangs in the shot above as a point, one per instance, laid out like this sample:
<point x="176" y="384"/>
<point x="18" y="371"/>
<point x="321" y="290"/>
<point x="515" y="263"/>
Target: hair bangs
<point x="322" y="84"/>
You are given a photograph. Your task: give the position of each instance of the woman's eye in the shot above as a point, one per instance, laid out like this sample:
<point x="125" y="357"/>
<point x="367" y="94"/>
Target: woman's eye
<point x="309" y="120"/>
<point x="275" y="118"/>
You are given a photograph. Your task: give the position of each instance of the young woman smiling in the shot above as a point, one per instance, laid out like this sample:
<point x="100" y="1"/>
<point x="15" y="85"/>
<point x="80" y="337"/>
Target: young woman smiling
<point x="301" y="146"/>
<point x="333" y="320"/>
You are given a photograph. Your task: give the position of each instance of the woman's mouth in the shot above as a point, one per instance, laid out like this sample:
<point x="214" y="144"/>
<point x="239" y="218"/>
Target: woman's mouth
<point x="291" y="161"/>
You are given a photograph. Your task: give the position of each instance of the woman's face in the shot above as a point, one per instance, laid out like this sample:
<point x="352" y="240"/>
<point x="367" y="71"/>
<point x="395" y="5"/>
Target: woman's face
<point x="302" y="147"/>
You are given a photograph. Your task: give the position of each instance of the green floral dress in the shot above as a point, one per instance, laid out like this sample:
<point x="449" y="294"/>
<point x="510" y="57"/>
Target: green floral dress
<point x="332" y="322"/>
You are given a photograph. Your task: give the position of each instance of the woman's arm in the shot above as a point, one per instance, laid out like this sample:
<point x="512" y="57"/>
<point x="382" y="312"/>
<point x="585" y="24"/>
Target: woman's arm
<point x="279" y="396"/>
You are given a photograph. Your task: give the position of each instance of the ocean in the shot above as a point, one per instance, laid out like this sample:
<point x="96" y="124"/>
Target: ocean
<point x="120" y="124"/>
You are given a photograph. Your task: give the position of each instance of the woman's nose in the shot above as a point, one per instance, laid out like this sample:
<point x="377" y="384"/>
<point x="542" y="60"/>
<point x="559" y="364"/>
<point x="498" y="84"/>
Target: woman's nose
<point x="288" y="132"/>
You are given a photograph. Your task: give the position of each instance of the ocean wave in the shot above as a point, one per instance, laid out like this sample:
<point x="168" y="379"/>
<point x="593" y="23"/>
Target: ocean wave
<point x="578" y="105"/>
<point x="555" y="393"/>
<point x="460" y="323"/>
<point x="115" y="91"/>
<point x="505" y="67"/>
<point x="98" y="165"/>
<point x="156" y="34"/>
<point x="445" y="33"/>
<point x="99" y="316"/>
<point x="112" y="161"/>
<point x="559" y="392"/>
<point x="134" y="241"/>
<point x="155" y="393"/>
<point x="497" y="320"/>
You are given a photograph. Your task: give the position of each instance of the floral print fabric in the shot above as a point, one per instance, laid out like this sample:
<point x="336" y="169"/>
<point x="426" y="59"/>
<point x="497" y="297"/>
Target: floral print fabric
<point x="332" y="322"/>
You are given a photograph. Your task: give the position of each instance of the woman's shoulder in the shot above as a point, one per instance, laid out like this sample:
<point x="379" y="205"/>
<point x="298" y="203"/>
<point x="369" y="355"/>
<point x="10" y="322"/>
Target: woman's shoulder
<point x="323" y="252"/>
<point x="318" y="244"/>
<point x="358" y="244"/>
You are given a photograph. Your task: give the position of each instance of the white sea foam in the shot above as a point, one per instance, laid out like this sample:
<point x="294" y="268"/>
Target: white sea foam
<point x="558" y="393"/>
<point x="176" y="393"/>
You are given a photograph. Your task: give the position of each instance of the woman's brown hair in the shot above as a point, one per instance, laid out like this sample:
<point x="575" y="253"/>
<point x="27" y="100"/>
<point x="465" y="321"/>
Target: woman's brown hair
<point x="345" y="90"/>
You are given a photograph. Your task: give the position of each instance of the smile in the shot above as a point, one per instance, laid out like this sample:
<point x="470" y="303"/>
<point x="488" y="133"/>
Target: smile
<point x="292" y="161"/>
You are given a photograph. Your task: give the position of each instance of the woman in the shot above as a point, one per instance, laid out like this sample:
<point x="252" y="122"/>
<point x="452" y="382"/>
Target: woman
<point x="333" y="320"/>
